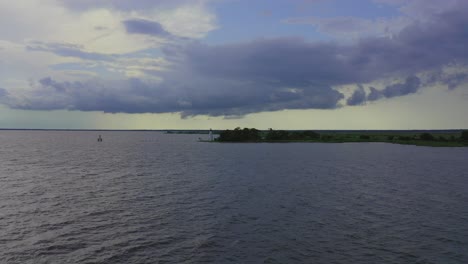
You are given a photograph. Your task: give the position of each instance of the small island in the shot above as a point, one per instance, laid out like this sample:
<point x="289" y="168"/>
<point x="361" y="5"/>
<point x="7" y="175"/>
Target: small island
<point x="433" y="138"/>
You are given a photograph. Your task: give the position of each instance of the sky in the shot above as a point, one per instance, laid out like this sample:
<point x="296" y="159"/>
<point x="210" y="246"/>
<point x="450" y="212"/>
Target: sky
<point x="199" y="64"/>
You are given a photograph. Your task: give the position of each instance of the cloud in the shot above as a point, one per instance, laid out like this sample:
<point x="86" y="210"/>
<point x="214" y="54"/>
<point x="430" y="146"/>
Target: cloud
<point x="358" y="97"/>
<point x="455" y="80"/>
<point x="142" y="26"/>
<point x="68" y="50"/>
<point x="374" y="94"/>
<point x="418" y="47"/>
<point x="97" y="26"/>
<point x="422" y="9"/>
<point x="347" y="27"/>
<point x="261" y="75"/>
<point x="410" y="86"/>
<point x="3" y="92"/>
<point x="352" y="27"/>
<point x="451" y="80"/>
<point x="183" y="18"/>
<point x="126" y="5"/>
<point x="221" y="97"/>
<point x="288" y="61"/>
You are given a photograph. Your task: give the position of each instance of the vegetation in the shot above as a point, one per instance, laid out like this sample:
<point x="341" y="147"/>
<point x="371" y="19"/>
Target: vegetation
<point x="240" y="135"/>
<point x="365" y="137"/>
<point x="426" y="136"/>
<point x="278" y="135"/>
<point x="464" y="135"/>
<point x="429" y="138"/>
<point x="253" y="135"/>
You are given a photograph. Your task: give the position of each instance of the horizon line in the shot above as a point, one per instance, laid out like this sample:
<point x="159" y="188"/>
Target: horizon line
<point x="188" y="129"/>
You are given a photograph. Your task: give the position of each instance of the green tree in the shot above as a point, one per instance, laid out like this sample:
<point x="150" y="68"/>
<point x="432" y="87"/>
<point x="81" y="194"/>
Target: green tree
<point x="277" y="135"/>
<point x="426" y="136"/>
<point x="364" y="137"/>
<point x="310" y="135"/>
<point x="464" y="135"/>
<point x="239" y="135"/>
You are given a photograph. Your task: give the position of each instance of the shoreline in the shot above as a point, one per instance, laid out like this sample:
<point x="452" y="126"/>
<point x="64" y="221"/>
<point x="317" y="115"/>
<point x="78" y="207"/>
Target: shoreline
<point x="434" y="139"/>
<point x="411" y="143"/>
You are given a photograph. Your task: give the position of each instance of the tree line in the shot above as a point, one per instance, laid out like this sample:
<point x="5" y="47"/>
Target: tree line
<point x="255" y="135"/>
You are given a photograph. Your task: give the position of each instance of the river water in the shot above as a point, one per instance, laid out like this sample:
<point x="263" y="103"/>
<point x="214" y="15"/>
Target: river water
<point x="149" y="197"/>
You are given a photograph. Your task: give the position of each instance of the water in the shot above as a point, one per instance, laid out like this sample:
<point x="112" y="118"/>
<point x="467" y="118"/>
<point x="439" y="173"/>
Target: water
<point x="148" y="197"/>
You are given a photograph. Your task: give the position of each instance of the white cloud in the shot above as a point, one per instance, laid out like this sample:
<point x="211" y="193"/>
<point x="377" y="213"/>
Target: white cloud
<point x="98" y="29"/>
<point x="192" y="21"/>
<point x="18" y="64"/>
<point x="139" y="67"/>
<point x="48" y="22"/>
<point x="95" y="28"/>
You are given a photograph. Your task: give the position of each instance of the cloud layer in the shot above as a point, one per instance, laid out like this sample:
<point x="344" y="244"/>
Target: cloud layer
<point x="142" y="26"/>
<point x="260" y="75"/>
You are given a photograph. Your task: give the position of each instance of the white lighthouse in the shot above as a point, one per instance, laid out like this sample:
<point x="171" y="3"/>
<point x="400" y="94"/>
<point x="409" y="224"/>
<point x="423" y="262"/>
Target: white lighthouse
<point x="211" y="135"/>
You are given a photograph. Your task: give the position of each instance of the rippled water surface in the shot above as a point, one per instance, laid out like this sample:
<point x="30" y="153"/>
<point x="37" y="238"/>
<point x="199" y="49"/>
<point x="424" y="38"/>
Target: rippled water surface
<point x="148" y="197"/>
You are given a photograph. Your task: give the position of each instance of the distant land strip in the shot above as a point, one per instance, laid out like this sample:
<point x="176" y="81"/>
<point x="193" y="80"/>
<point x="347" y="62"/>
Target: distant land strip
<point x="433" y="138"/>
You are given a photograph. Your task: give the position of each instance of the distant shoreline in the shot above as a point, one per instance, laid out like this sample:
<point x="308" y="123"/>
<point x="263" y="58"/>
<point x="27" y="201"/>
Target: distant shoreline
<point x="437" y="137"/>
<point x="73" y="129"/>
<point x="429" y="138"/>
<point x="183" y="131"/>
<point x="420" y="143"/>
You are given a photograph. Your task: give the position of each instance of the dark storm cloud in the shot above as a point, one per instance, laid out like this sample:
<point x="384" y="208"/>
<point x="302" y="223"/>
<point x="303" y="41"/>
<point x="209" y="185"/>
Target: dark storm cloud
<point x="219" y="97"/>
<point x="68" y="50"/>
<point x="374" y="94"/>
<point x="358" y="97"/>
<point x="452" y="81"/>
<point x="266" y="74"/>
<point x="291" y="61"/>
<point x="147" y="27"/>
<point x="455" y="80"/>
<point x="92" y="95"/>
<point x="419" y="47"/>
<point x="410" y="86"/>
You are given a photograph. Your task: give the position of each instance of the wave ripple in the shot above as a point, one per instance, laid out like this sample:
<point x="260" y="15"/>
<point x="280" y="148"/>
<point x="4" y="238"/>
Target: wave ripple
<point x="147" y="197"/>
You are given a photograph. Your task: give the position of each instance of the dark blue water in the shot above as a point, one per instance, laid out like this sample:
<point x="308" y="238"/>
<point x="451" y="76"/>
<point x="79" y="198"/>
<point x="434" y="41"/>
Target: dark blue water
<point x="148" y="197"/>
